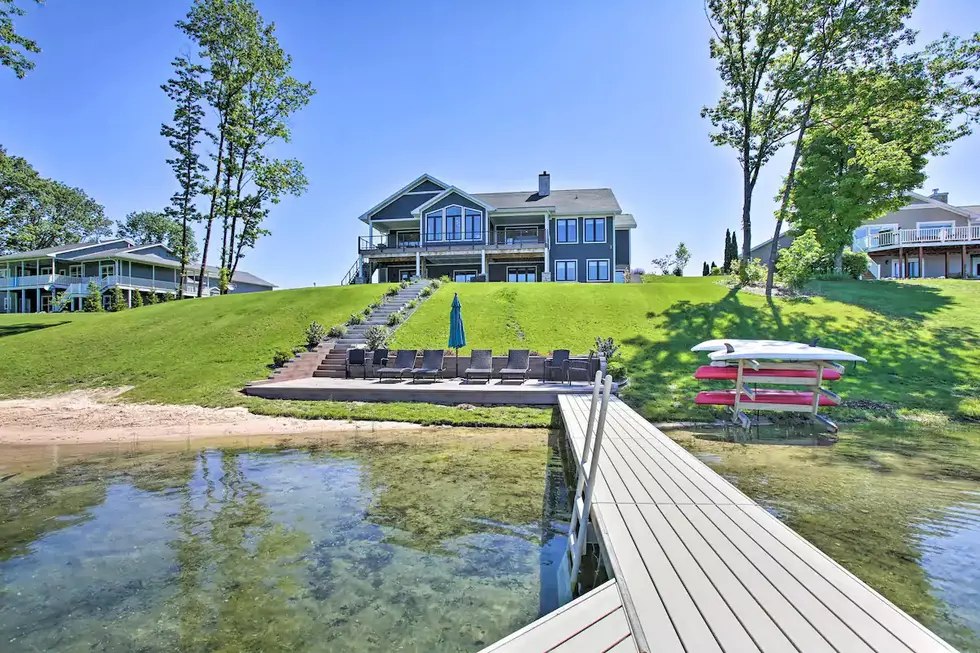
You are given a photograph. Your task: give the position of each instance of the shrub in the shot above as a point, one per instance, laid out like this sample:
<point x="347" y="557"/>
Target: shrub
<point x="137" y="299"/>
<point x="152" y="298"/>
<point x="606" y="348"/>
<point x="616" y="369"/>
<point x="166" y="297"/>
<point x="367" y="311"/>
<point x="403" y="284"/>
<point x="395" y="318"/>
<point x="337" y="331"/>
<point x="391" y="292"/>
<point x="374" y="305"/>
<point x="426" y="291"/>
<point x="798" y="263"/>
<point x="412" y="303"/>
<point x="281" y="357"/>
<point x="755" y="272"/>
<point x="355" y="318"/>
<point x="118" y="299"/>
<point x="638" y="272"/>
<point x="93" y="299"/>
<point x="855" y="263"/>
<point x="433" y="285"/>
<point x="376" y="336"/>
<point x="969" y="408"/>
<point x="315" y="333"/>
<point x="716" y="271"/>
<point x="444" y="279"/>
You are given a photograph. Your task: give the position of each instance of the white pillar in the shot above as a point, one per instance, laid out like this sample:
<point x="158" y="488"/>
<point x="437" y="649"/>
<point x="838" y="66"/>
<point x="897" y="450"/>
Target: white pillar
<point x="612" y="271"/>
<point x="546" y="275"/>
<point x="418" y="264"/>
<point x="483" y="263"/>
<point x="37" y="306"/>
<point x="129" y="296"/>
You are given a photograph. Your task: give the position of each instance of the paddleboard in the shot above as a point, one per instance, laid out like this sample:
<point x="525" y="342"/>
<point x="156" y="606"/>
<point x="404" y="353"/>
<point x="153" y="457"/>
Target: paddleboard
<point x="719" y="345"/>
<point x="791" y="351"/>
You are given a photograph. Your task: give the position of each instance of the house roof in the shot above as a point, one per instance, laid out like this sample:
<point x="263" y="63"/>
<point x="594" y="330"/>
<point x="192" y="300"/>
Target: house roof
<point x="446" y="193"/>
<point x="624" y="221"/>
<point x="575" y="200"/>
<point x="132" y="254"/>
<point x="59" y="249"/>
<point x="366" y="216"/>
<point x="922" y="199"/>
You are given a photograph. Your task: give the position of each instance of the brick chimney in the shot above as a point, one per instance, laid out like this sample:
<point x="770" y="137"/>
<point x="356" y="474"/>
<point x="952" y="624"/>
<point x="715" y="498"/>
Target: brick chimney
<point x="942" y="197"/>
<point x="544" y="184"/>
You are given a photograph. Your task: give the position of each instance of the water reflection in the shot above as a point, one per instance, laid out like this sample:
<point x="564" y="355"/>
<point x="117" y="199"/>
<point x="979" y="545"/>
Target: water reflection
<point x="429" y="547"/>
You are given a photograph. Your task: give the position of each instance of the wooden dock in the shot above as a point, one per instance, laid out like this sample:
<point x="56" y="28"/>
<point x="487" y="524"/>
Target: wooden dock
<point x="700" y="567"/>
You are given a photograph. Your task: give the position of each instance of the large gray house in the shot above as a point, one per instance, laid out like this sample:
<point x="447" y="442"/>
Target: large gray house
<point x="430" y="228"/>
<point x="29" y="281"/>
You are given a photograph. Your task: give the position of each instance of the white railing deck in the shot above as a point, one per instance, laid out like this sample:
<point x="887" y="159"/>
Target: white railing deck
<point x="73" y="283"/>
<point x="967" y="235"/>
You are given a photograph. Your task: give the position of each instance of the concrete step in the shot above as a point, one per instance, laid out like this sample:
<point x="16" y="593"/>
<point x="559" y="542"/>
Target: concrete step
<point x="330" y="374"/>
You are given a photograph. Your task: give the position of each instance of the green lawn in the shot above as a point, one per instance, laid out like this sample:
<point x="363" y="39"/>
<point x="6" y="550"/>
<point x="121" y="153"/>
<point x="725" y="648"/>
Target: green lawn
<point x="921" y="338"/>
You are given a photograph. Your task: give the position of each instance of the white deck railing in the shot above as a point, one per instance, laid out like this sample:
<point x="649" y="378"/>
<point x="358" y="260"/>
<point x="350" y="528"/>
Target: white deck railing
<point x="927" y="236"/>
<point x="79" y="285"/>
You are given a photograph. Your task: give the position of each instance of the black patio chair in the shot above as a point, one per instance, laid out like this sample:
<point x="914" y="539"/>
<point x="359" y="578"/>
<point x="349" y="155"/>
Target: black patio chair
<point x="557" y="363"/>
<point x="583" y="366"/>
<point x="355" y="356"/>
<point x="404" y="363"/>
<point x="481" y="364"/>
<point x="433" y="363"/>
<point x="517" y="366"/>
<point x="379" y="358"/>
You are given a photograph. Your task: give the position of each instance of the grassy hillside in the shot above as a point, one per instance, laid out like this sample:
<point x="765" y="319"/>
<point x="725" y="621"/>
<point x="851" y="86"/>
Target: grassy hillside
<point x="197" y="351"/>
<point x="922" y="338"/>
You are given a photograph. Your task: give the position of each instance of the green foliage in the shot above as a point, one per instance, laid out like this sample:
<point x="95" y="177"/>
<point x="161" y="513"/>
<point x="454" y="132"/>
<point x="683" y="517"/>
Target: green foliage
<point x="427" y="291"/>
<point x="682" y="256"/>
<point x="224" y="280"/>
<point x="337" y="331"/>
<point x="118" y="299"/>
<point x="166" y="297"/>
<point x="606" y="348"/>
<point x="149" y="227"/>
<point x="152" y="298"/>
<point x="728" y="257"/>
<point x="355" y="318"/>
<point x="137" y="299"/>
<point x="617" y="369"/>
<point x="314" y="334"/>
<point x="753" y="274"/>
<point x="36" y="212"/>
<point x="93" y="298"/>
<point x="376" y="336"/>
<point x="797" y="263"/>
<point x="14" y="48"/>
<point x="395" y="318"/>
<point x="281" y="357"/>
<point x="855" y="263"/>
<point x="391" y="292"/>
<point x="434" y="284"/>
<point x="403" y="284"/>
<point x="444" y="279"/>
<point x="705" y="270"/>
<point x="412" y="303"/>
<point x="715" y="270"/>
<point x="366" y="312"/>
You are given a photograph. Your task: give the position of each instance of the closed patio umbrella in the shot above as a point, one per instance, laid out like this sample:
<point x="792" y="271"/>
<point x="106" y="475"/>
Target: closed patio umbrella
<point x="457" y="336"/>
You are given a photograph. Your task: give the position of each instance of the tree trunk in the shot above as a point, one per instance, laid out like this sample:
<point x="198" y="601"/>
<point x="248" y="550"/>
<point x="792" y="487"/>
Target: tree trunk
<point x="214" y="206"/>
<point x="839" y="260"/>
<point x="235" y="252"/>
<point x="746" y="226"/>
<point x="185" y="209"/>
<point x="783" y="208"/>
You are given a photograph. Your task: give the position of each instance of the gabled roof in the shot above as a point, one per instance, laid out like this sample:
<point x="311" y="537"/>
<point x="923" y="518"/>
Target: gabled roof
<point x="60" y="249"/>
<point x="366" y="216"/>
<point x="922" y="199"/>
<point x="576" y="200"/>
<point x="446" y="193"/>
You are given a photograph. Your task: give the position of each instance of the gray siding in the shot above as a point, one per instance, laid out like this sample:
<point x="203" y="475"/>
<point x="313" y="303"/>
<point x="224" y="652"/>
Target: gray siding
<point x="160" y="251"/>
<point x="623" y="247"/>
<point x="453" y="198"/>
<point x="582" y="252"/>
<point x="498" y="271"/>
<point x="427" y="185"/>
<point x="762" y="251"/>
<point x="92" y="249"/>
<point x="139" y="270"/>
<point x="401" y="207"/>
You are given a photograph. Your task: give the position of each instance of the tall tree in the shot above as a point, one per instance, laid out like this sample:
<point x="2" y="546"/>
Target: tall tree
<point x="148" y="227"/>
<point x="682" y="256"/>
<point x="705" y="270"/>
<point x="36" y="212"/>
<point x="841" y="35"/>
<point x="727" y="259"/>
<point x="734" y="253"/>
<point x="758" y="46"/>
<point x="14" y="48"/>
<point x="186" y="91"/>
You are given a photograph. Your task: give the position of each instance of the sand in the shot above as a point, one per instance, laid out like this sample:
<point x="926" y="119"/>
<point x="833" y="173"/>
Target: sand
<point x="84" y="416"/>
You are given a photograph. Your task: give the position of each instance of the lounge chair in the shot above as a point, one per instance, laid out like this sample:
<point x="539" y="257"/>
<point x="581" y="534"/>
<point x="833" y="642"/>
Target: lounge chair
<point x="355" y="356"/>
<point x="583" y="366"/>
<point x="481" y="364"/>
<point x="557" y="363"/>
<point x="518" y="364"/>
<point x="433" y="362"/>
<point x="404" y="363"/>
<point x="379" y="358"/>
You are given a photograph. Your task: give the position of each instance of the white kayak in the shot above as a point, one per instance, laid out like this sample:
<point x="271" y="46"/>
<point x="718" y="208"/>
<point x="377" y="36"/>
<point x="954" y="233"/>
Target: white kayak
<point x="785" y="351"/>
<point x="719" y="345"/>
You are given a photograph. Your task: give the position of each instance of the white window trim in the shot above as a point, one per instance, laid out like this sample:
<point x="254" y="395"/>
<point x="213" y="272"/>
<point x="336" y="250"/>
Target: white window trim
<point x="442" y="223"/>
<point x="455" y="272"/>
<point x="566" y="260"/>
<point x="597" y="260"/>
<point x="936" y="224"/>
<point x="79" y="268"/>
<point x="445" y="223"/>
<point x="605" y="232"/>
<point x="103" y="266"/>
<point x="481" y="232"/>
<point x="567" y="242"/>
<point x="537" y="275"/>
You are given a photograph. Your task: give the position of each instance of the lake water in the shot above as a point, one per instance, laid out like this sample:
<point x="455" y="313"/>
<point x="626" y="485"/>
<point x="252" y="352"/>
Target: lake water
<point x="405" y="542"/>
<point x="900" y="508"/>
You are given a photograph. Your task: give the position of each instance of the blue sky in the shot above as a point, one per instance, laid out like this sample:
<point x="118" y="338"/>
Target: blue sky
<point x="480" y="95"/>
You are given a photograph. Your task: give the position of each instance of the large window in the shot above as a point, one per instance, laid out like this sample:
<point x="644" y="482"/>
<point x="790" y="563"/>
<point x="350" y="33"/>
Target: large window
<point x="598" y="269"/>
<point x="433" y="225"/>
<point x="454" y="223"/>
<point x="566" y="270"/>
<point x="522" y="274"/>
<point x="75" y="271"/>
<point x="463" y="275"/>
<point x="472" y="225"/>
<point x="620" y="276"/>
<point x="566" y="231"/>
<point x="594" y="230"/>
<point x="107" y="270"/>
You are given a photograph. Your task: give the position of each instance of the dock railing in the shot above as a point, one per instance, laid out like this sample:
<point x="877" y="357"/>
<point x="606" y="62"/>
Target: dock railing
<point x="578" y="528"/>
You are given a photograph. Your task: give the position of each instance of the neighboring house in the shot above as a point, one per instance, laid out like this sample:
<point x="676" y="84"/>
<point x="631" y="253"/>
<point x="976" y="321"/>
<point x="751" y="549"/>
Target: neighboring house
<point x="431" y="229"/>
<point x="763" y="251"/>
<point x="927" y="238"/>
<point x="29" y="281"/>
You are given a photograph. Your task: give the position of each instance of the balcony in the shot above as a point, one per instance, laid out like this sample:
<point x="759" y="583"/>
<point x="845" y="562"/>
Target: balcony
<point x="78" y="284"/>
<point x="508" y="238"/>
<point x="928" y="237"/>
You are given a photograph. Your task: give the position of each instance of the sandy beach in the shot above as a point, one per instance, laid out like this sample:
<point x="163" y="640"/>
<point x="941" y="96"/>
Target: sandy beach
<point x="84" y="416"/>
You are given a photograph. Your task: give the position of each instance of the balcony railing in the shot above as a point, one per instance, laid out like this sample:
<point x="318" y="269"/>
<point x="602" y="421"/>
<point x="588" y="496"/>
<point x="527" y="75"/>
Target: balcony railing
<point x="505" y="237"/>
<point x="71" y="283"/>
<point x="926" y="236"/>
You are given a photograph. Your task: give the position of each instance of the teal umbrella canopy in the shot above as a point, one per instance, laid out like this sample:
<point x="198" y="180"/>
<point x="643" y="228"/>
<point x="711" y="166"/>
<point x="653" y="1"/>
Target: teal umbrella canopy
<point x="457" y="335"/>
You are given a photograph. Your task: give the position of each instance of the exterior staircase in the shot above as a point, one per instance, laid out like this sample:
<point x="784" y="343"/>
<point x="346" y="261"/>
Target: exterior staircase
<point x="334" y="363"/>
